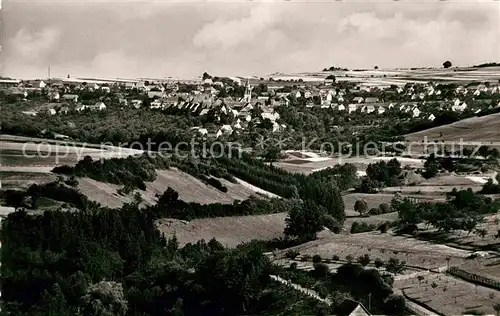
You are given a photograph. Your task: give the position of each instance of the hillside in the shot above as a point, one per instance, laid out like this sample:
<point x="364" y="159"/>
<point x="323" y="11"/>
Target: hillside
<point x="190" y="190"/>
<point x="485" y="129"/>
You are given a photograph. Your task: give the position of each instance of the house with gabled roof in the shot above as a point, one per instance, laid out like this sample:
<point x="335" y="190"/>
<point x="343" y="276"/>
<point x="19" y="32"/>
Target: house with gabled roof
<point x="357" y="100"/>
<point x="352" y="107"/>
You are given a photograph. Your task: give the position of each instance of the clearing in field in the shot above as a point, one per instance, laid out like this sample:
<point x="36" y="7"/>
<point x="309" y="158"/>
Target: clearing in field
<point x="230" y="231"/>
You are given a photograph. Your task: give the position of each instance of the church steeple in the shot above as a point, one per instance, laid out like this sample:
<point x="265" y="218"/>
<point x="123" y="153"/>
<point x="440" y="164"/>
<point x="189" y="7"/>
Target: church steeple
<point x="248" y="92"/>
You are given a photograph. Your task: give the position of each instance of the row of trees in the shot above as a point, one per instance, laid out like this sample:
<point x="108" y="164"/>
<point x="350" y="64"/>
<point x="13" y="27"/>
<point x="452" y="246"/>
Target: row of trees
<point x="463" y="210"/>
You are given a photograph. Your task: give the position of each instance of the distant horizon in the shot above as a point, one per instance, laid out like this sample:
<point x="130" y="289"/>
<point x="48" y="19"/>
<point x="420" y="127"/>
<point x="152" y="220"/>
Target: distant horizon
<point x="77" y="77"/>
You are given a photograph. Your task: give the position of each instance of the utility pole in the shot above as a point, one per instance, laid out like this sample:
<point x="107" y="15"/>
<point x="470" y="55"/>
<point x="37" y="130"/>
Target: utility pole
<point x="49" y="73"/>
<point x="369" y="301"/>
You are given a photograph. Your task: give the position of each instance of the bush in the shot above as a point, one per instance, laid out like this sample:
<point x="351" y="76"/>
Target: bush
<point x="316" y="258"/>
<point x="378" y="263"/>
<point x="291" y="254"/>
<point x="374" y="211"/>
<point x="383" y="228"/>
<point x="293" y="266"/>
<point x="385" y="208"/>
<point x="362" y="227"/>
<point x="335" y="258"/>
<point x="306" y="257"/>
<point x="331" y="223"/>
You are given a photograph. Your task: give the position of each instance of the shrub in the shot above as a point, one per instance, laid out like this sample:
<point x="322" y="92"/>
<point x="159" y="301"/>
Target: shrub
<point x="291" y="254"/>
<point x="306" y="257"/>
<point x="378" y="263"/>
<point x="385" y="208"/>
<point x="364" y="260"/>
<point x="331" y="223"/>
<point x="316" y="258"/>
<point x="335" y="258"/>
<point x="374" y="211"/>
<point x="383" y="228"/>
<point x="293" y="266"/>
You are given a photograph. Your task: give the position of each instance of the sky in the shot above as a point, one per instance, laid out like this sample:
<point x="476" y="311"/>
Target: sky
<point x="132" y="39"/>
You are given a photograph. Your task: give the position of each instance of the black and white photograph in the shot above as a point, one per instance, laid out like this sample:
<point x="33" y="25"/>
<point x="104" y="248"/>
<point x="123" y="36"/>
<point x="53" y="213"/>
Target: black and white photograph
<point x="249" y="157"/>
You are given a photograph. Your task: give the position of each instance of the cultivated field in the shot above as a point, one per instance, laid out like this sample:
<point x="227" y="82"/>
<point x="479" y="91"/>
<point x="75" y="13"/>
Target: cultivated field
<point x="483" y="129"/>
<point x="451" y="296"/>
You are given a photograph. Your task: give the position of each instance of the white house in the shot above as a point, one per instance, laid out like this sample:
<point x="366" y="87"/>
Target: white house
<point x="432" y="117"/>
<point x="416" y="112"/>
<point x="226" y="129"/>
<point x="53" y="96"/>
<point x="203" y="131"/>
<point x="208" y="81"/>
<point x="70" y="97"/>
<point x="156" y="104"/>
<point x="380" y="110"/>
<point x="391" y="105"/>
<point x="341" y="107"/>
<point x="98" y="106"/>
<point x="357" y="99"/>
<point x="136" y="103"/>
<point x="204" y="112"/>
<point x="106" y="89"/>
<point x="51" y="112"/>
<point x="81" y="107"/>
<point x="370" y="109"/>
<point x="340" y="99"/>
<point x="352" y="107"/>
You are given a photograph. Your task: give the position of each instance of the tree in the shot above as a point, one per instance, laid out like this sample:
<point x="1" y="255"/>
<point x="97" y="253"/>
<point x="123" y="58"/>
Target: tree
<point x="378" y="263"/>
<point x="331" y="77"/>
<point x="206" y="76"/>
<point x="431" y="167"/>
<point x="395" y="266"/>
<point x="304" y="220"/>
<point x="349" y="258"/>
<point x="361" y="207"/>
<point x="385" y="208"/>
<point x="395" y="305"/>
<point x="364" y="260"/>
<point x="447" y="64"/>
<point x="376" y="67"/>
<point x="331" y="223"/>
<point x="496" y="307"/>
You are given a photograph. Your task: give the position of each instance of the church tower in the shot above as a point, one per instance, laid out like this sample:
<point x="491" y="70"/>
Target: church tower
<point x="247" y="97"/>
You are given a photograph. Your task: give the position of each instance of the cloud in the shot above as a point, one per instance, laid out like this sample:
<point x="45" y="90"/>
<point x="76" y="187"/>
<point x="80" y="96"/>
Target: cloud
<point x="32" y="46"/>
<point x="231" y="33"/>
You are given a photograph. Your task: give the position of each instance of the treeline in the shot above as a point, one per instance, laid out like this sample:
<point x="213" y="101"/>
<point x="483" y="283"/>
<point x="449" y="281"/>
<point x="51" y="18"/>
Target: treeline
<point x="463" y="210"/>
<point x="381" y="174"/>
<point x="54" y="190"/>
<point x="169" y="206"/>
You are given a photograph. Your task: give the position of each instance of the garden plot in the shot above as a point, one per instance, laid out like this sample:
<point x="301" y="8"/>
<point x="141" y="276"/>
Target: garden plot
<point x="449" y="295"/>
<point x="416" y="253"/>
